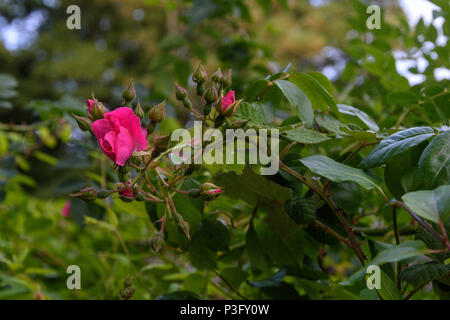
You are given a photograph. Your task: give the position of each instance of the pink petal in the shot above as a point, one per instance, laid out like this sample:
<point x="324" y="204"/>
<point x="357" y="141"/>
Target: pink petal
<point x="90" y="104"/>
<point x="228" y="100"/>
<point x="65" y="211"/>
<point x="124" y="146"/>
<point x="125" y="117"/>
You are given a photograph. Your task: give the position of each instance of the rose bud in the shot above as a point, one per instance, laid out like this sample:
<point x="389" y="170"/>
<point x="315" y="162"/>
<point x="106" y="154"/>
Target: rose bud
<point x="138" y="110"/>
<point x="65" y="211"/>
<point x="125" y="193"/>
<point x="199" y="75"/>
<point x="87" y="194"/>
<point x="226" y="79"/>
<point x="201" y="89"/>
<point x="157" y="113"/>
<point x="232" y="109"/>
<point x="129" y="93"/>
<point x="211" y="95"/>
<point x="187" y="103"/>
<point x="180" y="92"/>
<point x="98" y="110"/>
<point x="90" y="105"/>
<point x="184" y="227"/>
<point x="216" y="76"/>
<point x="128" y="289"/>
<point x="83" y="123"/>
<point x="209" y="191"/>
<point x="157" y="242"/>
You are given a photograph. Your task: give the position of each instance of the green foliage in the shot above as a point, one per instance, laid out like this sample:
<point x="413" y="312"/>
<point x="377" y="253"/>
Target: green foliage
<point x="364" y="172"/>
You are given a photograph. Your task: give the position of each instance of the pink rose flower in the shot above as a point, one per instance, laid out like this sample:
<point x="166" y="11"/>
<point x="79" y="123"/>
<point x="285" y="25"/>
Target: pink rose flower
<point x="90" y="104"/>
<point x="119" y="134"/>
<point x="65" y="211"/>
<point x="228" y="100"/>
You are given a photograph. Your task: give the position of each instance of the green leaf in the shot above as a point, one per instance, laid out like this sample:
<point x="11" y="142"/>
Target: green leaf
<point x="234" y="276"/>
<point x="403" y="98"/>
<point x="254" y="112"/>
<point x="254" y="249"/>
<point x="273" y="281"/>
<point x="201" y="256"/>
<point x="361" y="115"/>
<point x="298" y="99"/>
<point x="304" y="135"/>
<point x="418" y="274"/>
<point x="388" y="290"/>
<point x="434" y="162"/>
<point x="338" y="172"/>
<point x="396" y="144"/>
<point x="214" y="234"/>
<point x="317" y="89"/>
<point x="252" y="188"/>
<point x="403" y="251"/>
<point x="433" y="205"/>
<point x="254" y="89"/>
<point x="302" y="210"/>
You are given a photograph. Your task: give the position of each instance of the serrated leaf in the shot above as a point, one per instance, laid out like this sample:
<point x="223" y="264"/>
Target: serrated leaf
<point x="434" y="163"/>
<point x="396" y="144"/>
<point x="298" y="99"/>
<point x="304" y="135"/>
<point x="254" y="112"/>
<point x="419" y="274"/>
<point x="338" y="172"/>
<point x="433" y="205"/>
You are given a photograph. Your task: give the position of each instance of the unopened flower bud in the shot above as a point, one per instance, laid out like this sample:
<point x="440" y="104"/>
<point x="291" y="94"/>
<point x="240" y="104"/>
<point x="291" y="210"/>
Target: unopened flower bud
<point x="83" y="123"/>
<point x="211" y="95"/>
<point x="226" y="79"/>
<point x="125" y="193"/>
<point x="157" y="113"/>
<point x="199" y="75"/>
<point x="138" y="110"/>
<point x="157" y="242"/>
<point x="122" y="174"/>
<point x="232" y="109"/>
<point x="184" y="227"/>
<point x="216" y="76"/>
<point x="87" y="194"/>
<point x="209" y="191"/>
<point x="128" y="289"/>
<point x="180" y="92"/>
<point x="129" y="93"/>
<point x="98" y="110"/>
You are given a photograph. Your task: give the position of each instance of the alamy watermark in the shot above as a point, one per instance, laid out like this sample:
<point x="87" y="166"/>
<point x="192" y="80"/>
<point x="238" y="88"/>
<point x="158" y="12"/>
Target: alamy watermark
<point x="238" y="147"/>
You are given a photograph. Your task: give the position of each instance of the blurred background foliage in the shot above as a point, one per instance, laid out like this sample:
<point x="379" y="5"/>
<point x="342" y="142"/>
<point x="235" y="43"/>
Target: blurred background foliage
<point x="47" y="72"/>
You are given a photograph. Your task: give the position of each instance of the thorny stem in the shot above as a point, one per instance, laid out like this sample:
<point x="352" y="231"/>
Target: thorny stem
<point x="414" y="291"/>
<point x="355" y="244"/>
<point x="334" y="233"/>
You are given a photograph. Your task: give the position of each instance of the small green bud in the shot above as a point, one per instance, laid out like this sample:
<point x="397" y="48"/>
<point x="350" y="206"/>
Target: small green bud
<point x="157" y="242"/>
<point x="87" y="194"/>
<point x="226" y="79"/>
<point x="157" y="113"/>
<point x="129" y="93"/>
<point x="232" y="109"/>
<point x="211" y="95"/>
<point x="138" y="110"/>
<point x="184" y="227"/>
<point x="128" y="289"/>
<point x="199" y="75"/>
<point x="98" y="110"/>
<point x="216" y="76"/>
<point x="180" y="92"/>
<point x="83" y="123"/>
